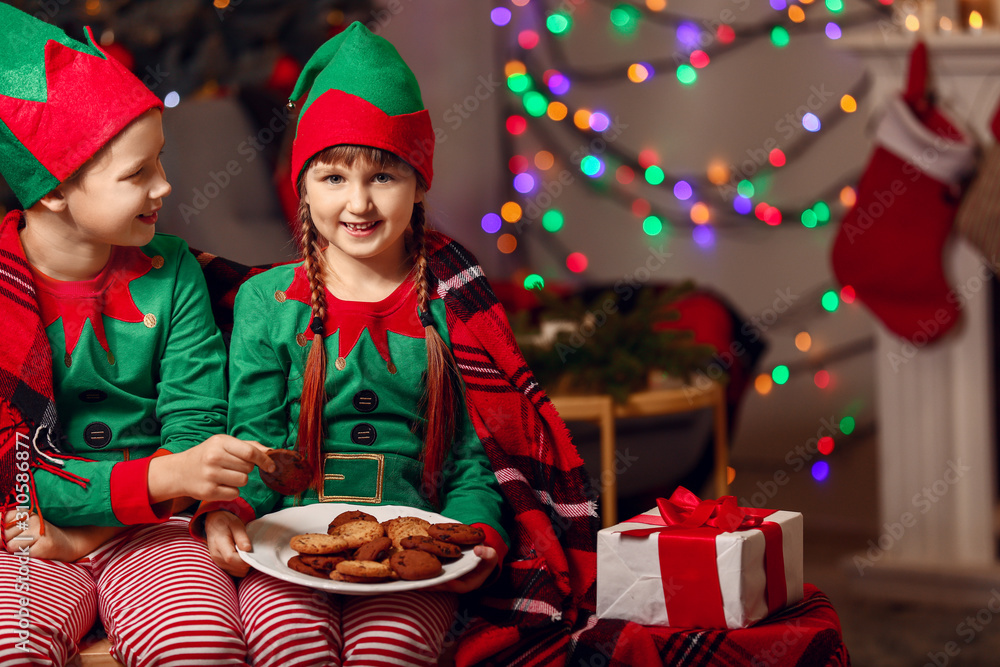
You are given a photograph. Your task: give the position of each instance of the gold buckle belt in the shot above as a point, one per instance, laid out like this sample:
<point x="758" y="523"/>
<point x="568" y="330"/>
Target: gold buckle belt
<point x="379" y="473"/>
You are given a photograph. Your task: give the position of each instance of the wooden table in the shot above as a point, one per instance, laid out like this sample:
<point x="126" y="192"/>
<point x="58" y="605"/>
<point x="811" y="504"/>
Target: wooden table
<point x="602" y="410"/>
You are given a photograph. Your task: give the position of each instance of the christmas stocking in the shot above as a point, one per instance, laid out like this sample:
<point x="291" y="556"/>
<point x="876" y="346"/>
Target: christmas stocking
<point x="889" y="246"/>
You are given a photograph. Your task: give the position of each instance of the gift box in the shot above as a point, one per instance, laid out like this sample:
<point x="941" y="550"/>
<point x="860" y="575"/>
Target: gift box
<point x="699" y="563"/>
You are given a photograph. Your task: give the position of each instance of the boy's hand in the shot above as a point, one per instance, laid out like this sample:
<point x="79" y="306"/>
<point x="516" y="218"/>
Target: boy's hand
<point x="472" y="580"/>
<point x="213" y="470"/>
<point x="62" y="544"/>
<point x="224" y="531"/>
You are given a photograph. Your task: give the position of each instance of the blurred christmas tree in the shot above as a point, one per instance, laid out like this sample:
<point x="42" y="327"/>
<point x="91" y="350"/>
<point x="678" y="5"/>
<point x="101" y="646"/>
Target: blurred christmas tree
<point x="603" y="344"/>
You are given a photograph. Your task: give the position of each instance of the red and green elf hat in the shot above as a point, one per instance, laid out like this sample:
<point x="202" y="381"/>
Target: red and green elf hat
<point x="60" y="101"/>
<point x="361" y="92"/>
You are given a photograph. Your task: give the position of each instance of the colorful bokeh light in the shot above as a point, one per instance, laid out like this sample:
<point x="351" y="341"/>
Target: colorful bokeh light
<point x="682" y="190"/>
<point x="491" y="223"/>
<point x="527" y="39"/>
<point x="534" y="281"/>
<point x="558" y="23"/>
<point x="704" y="236"/>
<point x="592" y="166"/>
<point x="639" y="72"/>
<point x="507" y="243"/>
<point x="553" y="220"/>
<point x="510" y="211"/>
<point x="686" y="75"/>
<point x="830" y="301"/>
<point x="524" y="183"/>
<point x="822" y="379"/>
<point x="557" y="110"/>
<point x="518" y="164"/>
<point x="780" y="37"/>
<point x="576" y="262"/>
<point x="654" y="175"/>
<point x="500" y="16"/>
<point x="516" y="124"/>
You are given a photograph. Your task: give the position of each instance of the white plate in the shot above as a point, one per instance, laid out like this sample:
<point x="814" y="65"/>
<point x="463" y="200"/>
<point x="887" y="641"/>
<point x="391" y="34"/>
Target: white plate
<point x="271" y="534"/>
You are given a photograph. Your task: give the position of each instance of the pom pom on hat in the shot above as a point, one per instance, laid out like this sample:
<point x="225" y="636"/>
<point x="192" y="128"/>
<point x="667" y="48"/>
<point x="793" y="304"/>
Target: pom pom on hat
<point x="361" y="92"/>
<point x="61" y="100"/>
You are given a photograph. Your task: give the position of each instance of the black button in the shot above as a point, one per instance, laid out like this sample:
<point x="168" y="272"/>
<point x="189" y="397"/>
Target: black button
<point x="93" y="396"/>
<point x="97" y="435"/>
<point x="365" y="400"/>
<point x="363" y="434"/>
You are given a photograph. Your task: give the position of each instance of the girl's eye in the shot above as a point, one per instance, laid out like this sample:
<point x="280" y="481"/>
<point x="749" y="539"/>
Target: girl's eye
<point x="335" y="178"/>
<point x="383" y="178"/>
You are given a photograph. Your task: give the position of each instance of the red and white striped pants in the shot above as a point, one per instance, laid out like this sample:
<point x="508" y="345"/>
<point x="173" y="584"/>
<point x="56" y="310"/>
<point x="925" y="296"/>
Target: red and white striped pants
<point x="159" y="595"/>
<point x="288" y="625"/>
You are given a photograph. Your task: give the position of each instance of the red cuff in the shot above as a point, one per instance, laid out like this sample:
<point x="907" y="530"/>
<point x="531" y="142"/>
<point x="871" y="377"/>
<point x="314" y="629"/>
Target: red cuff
<point x="130" y="494"/>
<point x="239" y="507"/>
<point x="494" y="540"/>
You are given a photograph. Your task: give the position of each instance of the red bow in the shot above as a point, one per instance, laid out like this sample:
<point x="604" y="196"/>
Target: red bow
<point x="685" y="510"/>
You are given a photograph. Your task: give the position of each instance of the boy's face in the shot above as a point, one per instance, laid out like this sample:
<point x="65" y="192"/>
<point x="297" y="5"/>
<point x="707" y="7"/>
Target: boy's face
<point x="116" y="197"/>
<point x="363" y="210"/>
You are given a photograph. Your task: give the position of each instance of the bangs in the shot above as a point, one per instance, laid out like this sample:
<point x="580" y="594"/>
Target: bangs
<point x="348" y="154"/>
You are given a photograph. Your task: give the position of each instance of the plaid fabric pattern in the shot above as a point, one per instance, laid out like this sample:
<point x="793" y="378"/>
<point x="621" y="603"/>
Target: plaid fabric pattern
<point x="26" y="397"/>
<point x="806" y="634"/>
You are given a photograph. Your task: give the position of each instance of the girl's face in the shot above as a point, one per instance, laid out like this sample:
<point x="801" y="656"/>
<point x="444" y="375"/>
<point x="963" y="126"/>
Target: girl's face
<point x="363" y="210"/>
<point x="116" y="197"/>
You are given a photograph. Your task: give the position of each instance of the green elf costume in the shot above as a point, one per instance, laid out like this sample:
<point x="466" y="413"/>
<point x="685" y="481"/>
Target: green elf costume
<point x="132" y="363"/>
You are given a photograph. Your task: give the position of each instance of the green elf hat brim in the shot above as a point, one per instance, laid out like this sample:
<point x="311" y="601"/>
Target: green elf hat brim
<point x="60" y="101"/>
<point x="361" y="92"/>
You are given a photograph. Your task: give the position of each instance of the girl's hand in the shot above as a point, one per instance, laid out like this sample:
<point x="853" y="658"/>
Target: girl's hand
<point x="213" y="470"/>
<point x="474" y="579"/>
<point x="224" y="532"/>
<point x="63" y="544"/>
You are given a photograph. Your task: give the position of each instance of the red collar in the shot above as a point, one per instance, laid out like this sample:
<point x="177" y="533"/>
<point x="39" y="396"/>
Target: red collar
<point x="396" y="313"/>
<point x="76" y="301"/>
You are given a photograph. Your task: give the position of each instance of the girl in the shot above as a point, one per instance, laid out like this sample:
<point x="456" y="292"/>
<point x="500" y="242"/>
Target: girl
<point x="362" y="303"/>
<point x="108" y="324"/>
<point x="385" y="359"/>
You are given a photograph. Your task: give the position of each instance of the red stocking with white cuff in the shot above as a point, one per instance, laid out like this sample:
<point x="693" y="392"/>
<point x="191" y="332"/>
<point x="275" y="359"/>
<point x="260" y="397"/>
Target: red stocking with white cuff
<point x="889" y="246"/>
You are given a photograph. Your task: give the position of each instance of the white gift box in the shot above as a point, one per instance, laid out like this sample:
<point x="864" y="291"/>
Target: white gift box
<point x="691" y="589"/>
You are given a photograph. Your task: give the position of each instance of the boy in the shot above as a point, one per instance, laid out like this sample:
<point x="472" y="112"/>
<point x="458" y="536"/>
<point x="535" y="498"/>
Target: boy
<point x="109" y="325"/>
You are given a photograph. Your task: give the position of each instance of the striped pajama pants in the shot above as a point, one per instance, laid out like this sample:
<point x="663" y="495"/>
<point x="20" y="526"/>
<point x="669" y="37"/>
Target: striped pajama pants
<point x="288" y="625"/>
<point x="159" y="595"/>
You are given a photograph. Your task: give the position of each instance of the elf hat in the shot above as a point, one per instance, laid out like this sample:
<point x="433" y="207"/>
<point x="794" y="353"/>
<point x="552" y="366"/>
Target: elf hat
<point x="60" y="101"/>
<point x="361" y="92"/>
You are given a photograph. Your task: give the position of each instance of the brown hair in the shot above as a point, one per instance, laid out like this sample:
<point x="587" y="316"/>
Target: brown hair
<point x="440" y="394"/>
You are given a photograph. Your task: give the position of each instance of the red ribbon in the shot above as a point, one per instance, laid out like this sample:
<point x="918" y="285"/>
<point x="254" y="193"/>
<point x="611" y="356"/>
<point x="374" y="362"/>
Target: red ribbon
<point x="687" y="527"/>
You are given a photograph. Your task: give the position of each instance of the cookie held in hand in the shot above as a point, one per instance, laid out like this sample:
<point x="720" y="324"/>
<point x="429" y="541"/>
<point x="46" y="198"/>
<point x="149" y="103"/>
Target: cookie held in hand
<point x="291" y="474"/>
